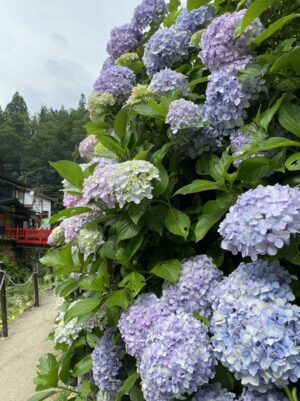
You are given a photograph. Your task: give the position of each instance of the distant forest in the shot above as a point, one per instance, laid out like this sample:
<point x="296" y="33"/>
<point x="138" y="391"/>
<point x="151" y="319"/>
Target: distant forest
<point x="28" y="143"/>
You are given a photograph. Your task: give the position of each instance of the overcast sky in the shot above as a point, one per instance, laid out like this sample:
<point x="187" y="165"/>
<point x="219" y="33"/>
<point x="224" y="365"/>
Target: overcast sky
<point x="52" y="50"/>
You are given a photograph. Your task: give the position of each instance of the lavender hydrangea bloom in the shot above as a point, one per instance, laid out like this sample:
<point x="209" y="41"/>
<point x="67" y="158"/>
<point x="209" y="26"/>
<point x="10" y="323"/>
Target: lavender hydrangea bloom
<point x="70" y="200"/>
<point x="183" y="114"/>
<point x="165" y="48"/>
<point x="167" y="81"/>
<point x="87" y="146"/>
<point x="218" y="44"/>
<point x="213" y="392"/>
<point x="193" y="142"/>
<point x="149" y="11"/>
<point x="177" y="360"/>
<point x="194" y="290"/>
<point x="196" y="19"/>
<point x="123" y="39"/>
<point x="116" y="80"/>
<point x="109" y="62"/>
<point x="271" y="395"/>
<point x="261" y="221"/>
<point x="107" y="362"/>
<point x="258" y="341"/>
<point x="136" y="322"/>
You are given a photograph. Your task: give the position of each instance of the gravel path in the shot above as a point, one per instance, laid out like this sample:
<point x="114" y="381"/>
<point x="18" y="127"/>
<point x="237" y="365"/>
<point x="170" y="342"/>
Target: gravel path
<point x="19" y="353"/>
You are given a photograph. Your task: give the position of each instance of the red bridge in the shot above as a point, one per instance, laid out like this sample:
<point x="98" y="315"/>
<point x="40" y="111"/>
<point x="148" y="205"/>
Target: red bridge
<point x="34" y="236"/>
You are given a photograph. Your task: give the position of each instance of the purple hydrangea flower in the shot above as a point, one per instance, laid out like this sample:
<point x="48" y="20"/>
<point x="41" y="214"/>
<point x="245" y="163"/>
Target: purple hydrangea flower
<point x="71" y="200"/>
<point x="167" y="81"/>
<point x="261" y="221"/>
<point x="123" y="39"/>
<point x="136" y="322"/>
<point x="149" y="11"/>
<point x="271" y="395"/>
<point x="213" y="392"/>
<point x="178" y="358"/>
<point x="196" y="19"/>
<point x="165" y="48"/>
<point x="218" y="44"/>
<point x="109" y="62"/>
<point x="87" y="147"/>
<point x="183" y="114"/>
<point x="193" y="142"/>
<point x="107" y="362"/>
<point x="194" y="290"/>
<point x="116" y="80"/>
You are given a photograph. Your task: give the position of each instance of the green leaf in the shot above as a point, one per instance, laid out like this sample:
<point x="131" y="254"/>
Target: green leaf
<point x="120" y="123"/>
<point x="293" y="162"/>
<point x="159" y="155"/>
<point x="42" y="396"/>
<point x="85" y="388"/>
<point x="291" y="59"/>
<point x="134" y="282"/>
<point x="201" y="318"/>
<point x="192" y="4"/>
<point x="155" y="218"/>
<point x="126" y="251"/>
<point x="127" y="385"/>
<point x="136" y="212"/>
<point x="265" y="118"/>
<point x="161" y="185"/>
<point x="276" y="26"/>
<point x="65" y="361"/>
<point x="62" y="260"/>
<point x="289" y="117"/>
<point x="145" y="110"/>
<point x="269" y="144"/>
<point x="168" y="270"/>
<point x="126" y="229"/>
<point x="198" y="186"/>
<point x="177" y="222"/>
<point x="83" y="366"/>
<point x="118" y="298"/>
<point x="70" y="171"/>
<point x="255" y="9"/>
<point x="81" y="307"/>
<point x="112" y="144"/>
<point x="66" y="213"/>
<point x="136" y="394"/>
<point x="173" y="5"/>
<point x="255" y="168"/>
<point x="47" y="373"/>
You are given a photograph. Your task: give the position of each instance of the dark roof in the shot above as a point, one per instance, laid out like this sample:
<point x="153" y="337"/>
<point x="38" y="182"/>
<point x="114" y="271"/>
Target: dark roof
<point x="6" y="177"/>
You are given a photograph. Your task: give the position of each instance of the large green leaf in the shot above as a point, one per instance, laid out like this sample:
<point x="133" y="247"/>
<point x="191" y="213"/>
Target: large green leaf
<point x="127" y="385"/>
<point x="66" y="213"/>
<point x="83" y="366"/>
<point x="42" y="396"/>
<point x="255" y="168"/>
<point x="47" y="373"/>
<point x="291" y="59"/>
<point x="127" y="250"/>
<point x="289" y="117"/>
<point x="126" y="229"/>
<point x="269" y="144"/>
<point x="112" y="145"/>
<point x="135" y="212"/>
<point x="168" y="270"/>
<point x="71" y="171"/>
<point x="120" y="124"/>
<point x="265" y="118"/>
<point x="198" y="186"/>
<point x="81" y="307"/>
<point x="119" y="298"/>
<point x="293" y="162"/>
<point x="192" y="4"/>
<point x="134" y="282"/>
<point x="177" y="222"/>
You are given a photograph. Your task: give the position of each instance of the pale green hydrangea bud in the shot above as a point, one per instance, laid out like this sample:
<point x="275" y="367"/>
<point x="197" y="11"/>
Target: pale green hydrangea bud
<point x="139" y="94"/>
<point x="127" y="60"/>
<point x="89" y="241"/>
<point x="99" y="103"/>
<point x="99" y="149"/>
<point x="196" y="38"/>
<point x="56" y="238"/>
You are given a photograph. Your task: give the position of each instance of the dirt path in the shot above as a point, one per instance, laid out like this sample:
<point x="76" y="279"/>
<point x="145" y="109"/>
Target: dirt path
<point x="19" y="353"/>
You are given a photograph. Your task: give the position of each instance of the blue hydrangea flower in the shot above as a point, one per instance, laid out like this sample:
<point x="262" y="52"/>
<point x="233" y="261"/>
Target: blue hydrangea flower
<point x="194" y="290"/>
<point x="193" y="142"/>
<point x="136" y="322"/>
<point x="149" y="11"/>
<point x="271" y="395"/>
<point x="218" y="44"/>
<point x="183" y="114"/>
<point x="213" y="392"/>
<point x="116" y="80"/>
<point x="107" y="362"/>
<point x="165" y="48"/>
<point x="261" y="221"/>
<point x="123" y="39"/>
<point x="167" y="81"/>
<point x="196" y="19"/>
<point x="178" y="358"/>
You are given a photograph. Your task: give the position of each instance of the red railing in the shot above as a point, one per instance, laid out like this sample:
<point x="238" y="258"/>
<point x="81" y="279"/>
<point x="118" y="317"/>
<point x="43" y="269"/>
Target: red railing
<point x="36" y="236"/>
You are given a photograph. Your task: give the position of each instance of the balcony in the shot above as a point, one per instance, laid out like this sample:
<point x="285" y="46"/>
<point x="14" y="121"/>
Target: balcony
<point x="30" y="236"/>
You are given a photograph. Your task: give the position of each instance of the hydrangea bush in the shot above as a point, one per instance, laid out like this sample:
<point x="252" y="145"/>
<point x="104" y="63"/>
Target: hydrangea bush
<point x="176" y="256"/>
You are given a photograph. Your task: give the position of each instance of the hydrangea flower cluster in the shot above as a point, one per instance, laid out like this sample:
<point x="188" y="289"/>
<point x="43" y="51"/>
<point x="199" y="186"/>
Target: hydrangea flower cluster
<point x="178" y="359"/>
<point x="213" y="392"/>
<point x="220" y="46"/>
<point x="149" y="11"/>
<point x="167" y="81"/>
<point x="138" y="320"/>
<point x="89" y="240"/>
<point x="123" y="39"/>
<point x="127" y="60"/>
<point x="140" y="94"/>
<point x="109" y="62"/>
<point x="196" y="19"/>
<point x="261" y="221"/>
<point x="194" y="290"/>
<point x="87" y="146"/>
<point x="183" y="114"/>
<point x="56" y="238"/>
<point x="121" y="183"/>
<point x="107" y="363"/>
<point x="165" y="48"/>
<point x="255" y="327"/>
<point x="271" y="395"/>
<point x="116" y="80"/>
<point x="193" y="142"/>
<point x="99" y="103"/>
<point x="72" y="225"/>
